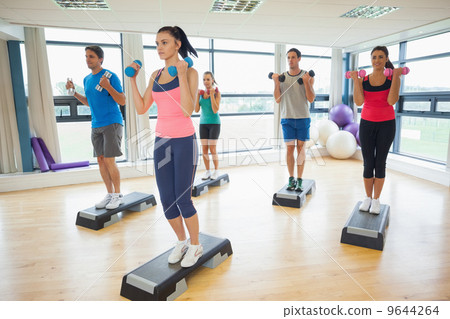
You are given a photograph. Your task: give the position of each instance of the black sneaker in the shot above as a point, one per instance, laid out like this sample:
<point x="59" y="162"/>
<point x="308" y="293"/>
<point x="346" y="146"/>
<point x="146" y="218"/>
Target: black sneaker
<point x="291" y="184"/>
<point x="298" y="187"/>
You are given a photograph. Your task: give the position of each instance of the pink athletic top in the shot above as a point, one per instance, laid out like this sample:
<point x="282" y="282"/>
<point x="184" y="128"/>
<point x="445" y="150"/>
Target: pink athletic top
<point x="376" y="107"/>
<point x="171" y="122"/>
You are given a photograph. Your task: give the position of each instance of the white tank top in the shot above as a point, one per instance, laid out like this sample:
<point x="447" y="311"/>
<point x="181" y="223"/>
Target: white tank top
<point x="294" y="104"/>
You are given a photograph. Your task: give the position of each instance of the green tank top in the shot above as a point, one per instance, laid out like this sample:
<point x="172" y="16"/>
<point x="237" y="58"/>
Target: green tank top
<point x="208" y="116"/>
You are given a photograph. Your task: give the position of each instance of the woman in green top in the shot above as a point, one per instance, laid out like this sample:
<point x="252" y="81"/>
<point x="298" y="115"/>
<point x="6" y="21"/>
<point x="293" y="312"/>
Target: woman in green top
<point x="209" y="100"/>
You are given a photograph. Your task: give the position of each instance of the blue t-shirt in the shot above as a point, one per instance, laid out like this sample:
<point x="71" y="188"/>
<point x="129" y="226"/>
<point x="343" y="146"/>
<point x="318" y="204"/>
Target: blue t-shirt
<point x="104" y="110"/>
<point x="208" y="116"/>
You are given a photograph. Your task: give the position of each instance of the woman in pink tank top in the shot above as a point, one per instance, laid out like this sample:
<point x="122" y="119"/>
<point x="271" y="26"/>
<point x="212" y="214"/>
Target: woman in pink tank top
<point x="176" y="150"/>
<point x="379" y="94"/>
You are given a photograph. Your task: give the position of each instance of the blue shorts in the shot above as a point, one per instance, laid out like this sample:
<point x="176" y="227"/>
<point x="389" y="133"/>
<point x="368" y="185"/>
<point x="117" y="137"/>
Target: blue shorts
<point x="296" y="129"/>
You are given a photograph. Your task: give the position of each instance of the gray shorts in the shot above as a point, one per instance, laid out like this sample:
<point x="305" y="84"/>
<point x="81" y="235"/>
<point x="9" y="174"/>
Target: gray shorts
<point x="107" y="140"/>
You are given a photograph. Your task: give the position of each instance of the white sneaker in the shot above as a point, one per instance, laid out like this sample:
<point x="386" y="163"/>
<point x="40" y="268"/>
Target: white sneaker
<point x="207" y="175"/>
<point x="365" y="204"/>
<point x="192" y="256"/>
<point x="116" y="200"/>
<point x="178" y="252"/>
<point x="214" y="174"/>
<point x="104" y="201"/>
<point x="375" y="206"/>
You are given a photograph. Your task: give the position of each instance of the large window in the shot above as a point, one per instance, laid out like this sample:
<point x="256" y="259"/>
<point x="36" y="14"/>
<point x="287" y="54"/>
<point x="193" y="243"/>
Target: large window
<point x="428" y="75"/>
<point x="425" y="137"/>
<point x="237" y="45"/>
<point x="428" y="46"/>
<point x="245" y="104"/>
<point x="240" y="73"/>
<point x="24" y="67"/>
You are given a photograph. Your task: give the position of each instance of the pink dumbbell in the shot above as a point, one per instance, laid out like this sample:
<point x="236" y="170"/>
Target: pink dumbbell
<point x="361" y="74"/>
<point x="202" y="92"/>
<point x="389" y="72"/>
<point x="216" y="90"/>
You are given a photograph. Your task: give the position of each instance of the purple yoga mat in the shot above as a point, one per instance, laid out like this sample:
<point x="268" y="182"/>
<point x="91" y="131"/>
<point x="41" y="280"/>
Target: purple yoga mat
<point x="57" y="166"/>
<point x="39" y="154"/>
<point x="47" y="155"/>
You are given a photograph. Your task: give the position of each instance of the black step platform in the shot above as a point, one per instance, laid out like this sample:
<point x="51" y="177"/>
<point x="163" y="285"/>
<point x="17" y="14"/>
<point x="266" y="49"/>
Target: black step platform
<point x="157" y="280"/>
<point x="202" y="186"/>
<point x="365" y="229"/>
<point x="96" y="219"/>
<point x="292" y="198"/>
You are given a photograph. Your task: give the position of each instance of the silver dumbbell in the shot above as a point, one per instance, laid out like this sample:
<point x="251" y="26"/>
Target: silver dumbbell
<point x="70" y="91"/>
<point x="108" y="76"/>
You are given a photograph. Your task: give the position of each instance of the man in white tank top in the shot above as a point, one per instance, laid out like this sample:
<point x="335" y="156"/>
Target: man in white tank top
<point x="293" y="98"/>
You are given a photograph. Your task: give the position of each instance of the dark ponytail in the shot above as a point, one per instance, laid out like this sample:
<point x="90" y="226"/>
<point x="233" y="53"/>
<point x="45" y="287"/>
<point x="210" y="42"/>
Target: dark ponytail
<point x="389" y="64"/>
<point x="179" y="35"/>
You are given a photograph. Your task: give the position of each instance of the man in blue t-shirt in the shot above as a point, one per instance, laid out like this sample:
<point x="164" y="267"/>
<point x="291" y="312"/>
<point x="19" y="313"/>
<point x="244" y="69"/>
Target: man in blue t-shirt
<point x="103" y="94"/>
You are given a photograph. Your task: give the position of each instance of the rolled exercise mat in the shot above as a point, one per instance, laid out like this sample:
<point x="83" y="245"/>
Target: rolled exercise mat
<point x="57" y="166"/>
<point x="39" y="154"/>
<point x="47" y="155"/>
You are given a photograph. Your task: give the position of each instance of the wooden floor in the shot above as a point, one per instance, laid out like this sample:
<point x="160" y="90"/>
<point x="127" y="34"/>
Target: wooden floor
<point x="279" y="253"/>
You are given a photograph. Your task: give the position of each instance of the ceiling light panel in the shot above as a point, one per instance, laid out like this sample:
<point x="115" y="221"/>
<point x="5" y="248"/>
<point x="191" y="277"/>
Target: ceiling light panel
<point x="235" y="6"/>
<point x="83" y="4"/>
<point x="368" y="12"/>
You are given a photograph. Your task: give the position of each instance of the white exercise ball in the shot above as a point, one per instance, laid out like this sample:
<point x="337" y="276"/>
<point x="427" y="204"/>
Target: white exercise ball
<point x="341" y="145"/>
<point x="326" y="128"/>
<point x="313" y="136"/>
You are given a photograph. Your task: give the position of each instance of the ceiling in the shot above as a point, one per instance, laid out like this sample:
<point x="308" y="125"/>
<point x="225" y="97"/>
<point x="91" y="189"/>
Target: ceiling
<point x="307" y="22"/>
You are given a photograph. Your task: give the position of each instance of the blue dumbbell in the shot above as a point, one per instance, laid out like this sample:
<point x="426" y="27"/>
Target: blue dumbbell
<point x="173" y="70"/>
<point x="130" y="71"/>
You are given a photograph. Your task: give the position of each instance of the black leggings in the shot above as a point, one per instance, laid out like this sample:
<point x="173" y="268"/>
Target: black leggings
<point x="376" y="139"/>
